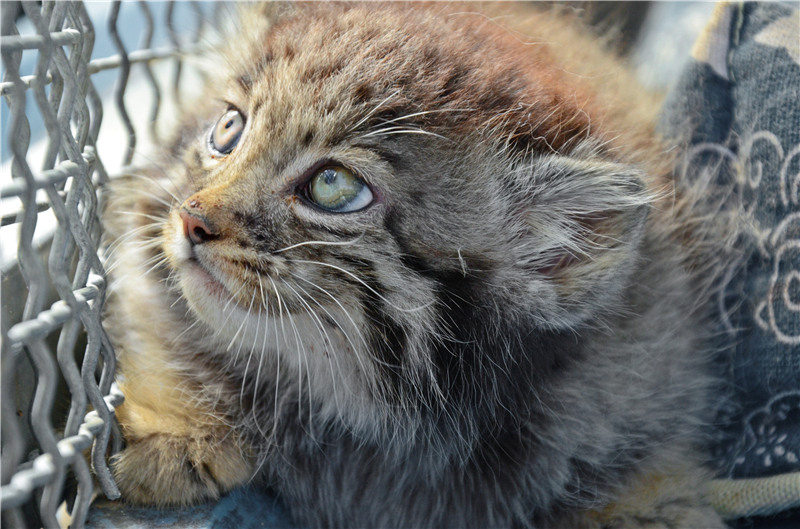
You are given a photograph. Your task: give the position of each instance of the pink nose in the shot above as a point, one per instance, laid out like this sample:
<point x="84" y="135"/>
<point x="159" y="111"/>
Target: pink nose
<point x="195" y="228"/>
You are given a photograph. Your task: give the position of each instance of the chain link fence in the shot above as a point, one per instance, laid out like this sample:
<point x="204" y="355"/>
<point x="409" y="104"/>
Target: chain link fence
<point x="58" y="391"/>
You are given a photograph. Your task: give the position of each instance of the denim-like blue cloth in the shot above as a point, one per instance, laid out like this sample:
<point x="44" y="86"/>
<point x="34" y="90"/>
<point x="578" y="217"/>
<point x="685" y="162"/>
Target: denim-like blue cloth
<point x="245" y="508"/>
<point x="739" y="101"/>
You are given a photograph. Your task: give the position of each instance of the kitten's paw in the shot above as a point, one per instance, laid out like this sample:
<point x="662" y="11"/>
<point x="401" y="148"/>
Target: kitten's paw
<point x="168" y="470"/>
<point x="678" y="515"/>
<point x="658" y="500"/>
<point x="674" y="517"/>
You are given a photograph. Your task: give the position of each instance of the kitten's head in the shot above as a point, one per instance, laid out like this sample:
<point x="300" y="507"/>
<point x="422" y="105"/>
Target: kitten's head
<point x="400" y="206"/>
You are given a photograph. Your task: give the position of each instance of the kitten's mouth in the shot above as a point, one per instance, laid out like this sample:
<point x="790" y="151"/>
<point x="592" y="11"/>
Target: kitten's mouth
<point x="206" y="279"/>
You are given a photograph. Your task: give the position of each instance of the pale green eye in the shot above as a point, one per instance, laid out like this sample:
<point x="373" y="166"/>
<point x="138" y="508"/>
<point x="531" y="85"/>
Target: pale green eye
<point x="337" y="189"/>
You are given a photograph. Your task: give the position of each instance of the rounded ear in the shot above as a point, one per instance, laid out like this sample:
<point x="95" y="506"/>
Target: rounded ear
<point x="583" y="222"/>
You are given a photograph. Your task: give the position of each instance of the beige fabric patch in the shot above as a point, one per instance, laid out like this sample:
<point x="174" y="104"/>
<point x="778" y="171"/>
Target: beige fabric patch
<point x="735" y="498"/>
<point x="783" y="33"/>
<point x="713" y="44"/>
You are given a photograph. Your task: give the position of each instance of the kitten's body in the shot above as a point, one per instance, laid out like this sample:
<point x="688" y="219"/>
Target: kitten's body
<point x="507" y="335"/>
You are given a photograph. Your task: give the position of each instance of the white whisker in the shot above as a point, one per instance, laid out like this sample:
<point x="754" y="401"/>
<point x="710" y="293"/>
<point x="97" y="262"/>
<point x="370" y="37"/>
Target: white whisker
<point x="261" y="357"/>
<point x="302" y="349"/>
<point x="339" y="304"/>
<point x="373" y="111"/>
<point x="320" y="243"/>
<point x="158" y="220"/>
<point x="244" y="323"/>
<point x="402" y="130"/>
<point x="379" y="295"/>
<point x="425" y="113"/>
<point x="157" y="182"/>
<point x="219" y="329"/>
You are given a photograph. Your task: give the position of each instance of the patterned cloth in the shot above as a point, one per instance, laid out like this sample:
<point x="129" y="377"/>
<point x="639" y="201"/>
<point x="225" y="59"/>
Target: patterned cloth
<point x="740" y="100"/>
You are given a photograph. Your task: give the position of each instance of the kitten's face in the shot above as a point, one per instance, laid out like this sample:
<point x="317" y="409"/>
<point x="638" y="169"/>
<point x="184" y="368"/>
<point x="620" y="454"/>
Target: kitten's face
<point x="359" y="192"/>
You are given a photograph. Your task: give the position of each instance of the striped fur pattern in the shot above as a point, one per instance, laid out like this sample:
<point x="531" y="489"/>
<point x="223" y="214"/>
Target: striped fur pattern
<point x="510" y="334"/>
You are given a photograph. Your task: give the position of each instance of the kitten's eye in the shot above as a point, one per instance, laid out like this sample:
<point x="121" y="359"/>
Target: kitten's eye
<point x="337" y="189"/>
<point x="226" y="133"/>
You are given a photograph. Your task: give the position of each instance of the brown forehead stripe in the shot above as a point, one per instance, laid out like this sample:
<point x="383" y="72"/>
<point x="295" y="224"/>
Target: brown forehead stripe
<point x="467" y="64"/>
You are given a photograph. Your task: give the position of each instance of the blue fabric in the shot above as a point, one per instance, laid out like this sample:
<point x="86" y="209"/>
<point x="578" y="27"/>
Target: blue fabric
<point x="737" y="105"/>
<point x="245" y="508"/>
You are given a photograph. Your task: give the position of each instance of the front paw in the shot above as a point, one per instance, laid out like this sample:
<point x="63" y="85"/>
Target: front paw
<point x="662" y="499"/>
<point x="169" y="470"/>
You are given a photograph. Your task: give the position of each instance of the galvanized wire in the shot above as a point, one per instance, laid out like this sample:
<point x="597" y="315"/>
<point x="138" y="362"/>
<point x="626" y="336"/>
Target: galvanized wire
<point x="147" y="41"/>
<point x="124" y="73"/>
<point x="54" y="347"/>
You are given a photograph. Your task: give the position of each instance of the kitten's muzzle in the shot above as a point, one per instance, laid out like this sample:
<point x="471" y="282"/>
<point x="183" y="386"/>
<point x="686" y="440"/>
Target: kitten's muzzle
<point x="196" y="228"/>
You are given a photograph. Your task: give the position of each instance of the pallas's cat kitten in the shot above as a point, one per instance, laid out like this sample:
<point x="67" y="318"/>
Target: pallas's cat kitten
<point x="413" y="266"/>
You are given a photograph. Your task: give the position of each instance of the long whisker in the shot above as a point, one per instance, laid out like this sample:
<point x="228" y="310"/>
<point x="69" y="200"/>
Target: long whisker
<point x="225" y="309"/>
<point x="244" y="382"/>
<point x="114" y="262"/>
<point x="339" y="304"/>
<point x="402" y="130"/>
<point x="261" y="357"/>
<point x="283" y="331"/>
<point x="277" y="373"/>
<point x="157" y="220"/>
<point x="326" y="339"/>
<point x="425" y="113"/>
<point x="301" y="347"/>
<point x="332" y="355"/>
<point x="379" y="295"/>
<point x="320" y="243"/>
<point x="317" y="322"/>
<point x="258" y="321"/>
<point x="153" y="164"/>
<point x="356" y="351"/>
<point x="373" y="111"/>
<point x="157" y="181"/>
<point x="245" y="321"/>
<point x="149" y="194"/>
<point x="160" y="260"/>
<point x="187" y="329"/>
<point x="132" y="234"/>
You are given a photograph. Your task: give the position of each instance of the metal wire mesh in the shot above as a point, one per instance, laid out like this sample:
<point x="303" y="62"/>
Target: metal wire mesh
<point x="58" y="395"/>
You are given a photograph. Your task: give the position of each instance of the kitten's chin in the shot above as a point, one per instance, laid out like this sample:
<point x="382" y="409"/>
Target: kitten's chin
<point x="194" y="276"/>
<point x="205" y="295"/>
